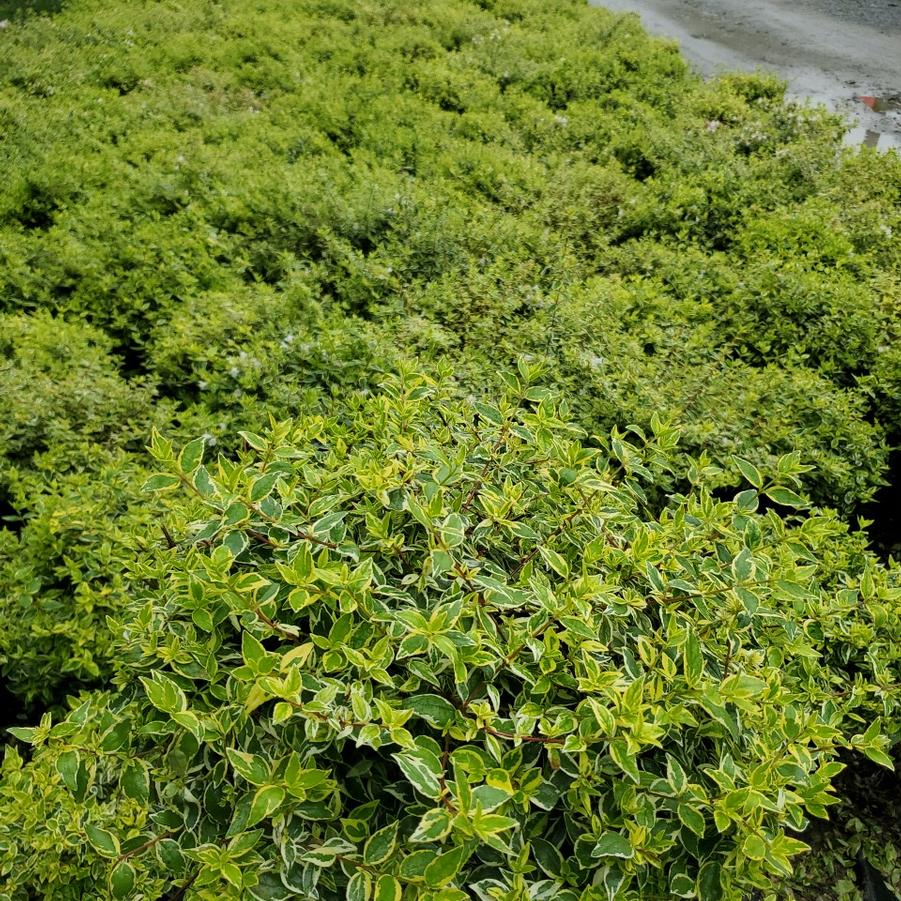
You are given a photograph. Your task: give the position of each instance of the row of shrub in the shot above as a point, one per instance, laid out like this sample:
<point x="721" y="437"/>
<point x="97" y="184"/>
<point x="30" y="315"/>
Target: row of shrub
<point x="214" y="213"/>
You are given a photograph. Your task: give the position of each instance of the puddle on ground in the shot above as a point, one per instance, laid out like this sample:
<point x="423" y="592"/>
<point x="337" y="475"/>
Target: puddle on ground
<point x="873" y="121"/>
<point x="882" y="131"/>
<point x="882" y="104"/>
<point x="851" y="69"/>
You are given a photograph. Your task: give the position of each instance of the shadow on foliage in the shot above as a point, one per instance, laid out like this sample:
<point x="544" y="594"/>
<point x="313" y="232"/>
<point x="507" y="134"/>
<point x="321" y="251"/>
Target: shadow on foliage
<point x="13" y="9"/>
<point x="12" y="711"/>
<point x="872" y="885"/>
<point x="9" y="516"/>
<point x="885" y="511"/>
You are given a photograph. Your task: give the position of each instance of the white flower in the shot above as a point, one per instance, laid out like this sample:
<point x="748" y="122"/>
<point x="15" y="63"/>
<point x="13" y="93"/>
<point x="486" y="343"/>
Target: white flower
<point x="234" y="372"/>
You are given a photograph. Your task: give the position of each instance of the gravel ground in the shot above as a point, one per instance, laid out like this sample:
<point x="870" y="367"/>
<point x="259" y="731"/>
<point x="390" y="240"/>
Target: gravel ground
<point x="830" y="51"/>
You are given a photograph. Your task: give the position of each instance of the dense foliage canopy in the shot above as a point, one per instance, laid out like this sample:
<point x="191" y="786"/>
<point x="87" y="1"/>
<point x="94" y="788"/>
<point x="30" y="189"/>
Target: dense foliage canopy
<point x="439" y="645"/>
<point x="216" y="212"/>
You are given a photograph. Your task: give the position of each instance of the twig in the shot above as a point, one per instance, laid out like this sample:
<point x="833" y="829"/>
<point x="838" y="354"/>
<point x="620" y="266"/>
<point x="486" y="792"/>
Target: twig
<point x="170" y="541"/>
<point x="535" y="739"/>
<point x="182" y="890"/>
<point x="141" y="848"/>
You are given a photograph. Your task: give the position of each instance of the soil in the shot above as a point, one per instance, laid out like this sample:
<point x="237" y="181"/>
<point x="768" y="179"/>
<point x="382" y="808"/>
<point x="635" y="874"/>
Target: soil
<point x="832" y="52"/>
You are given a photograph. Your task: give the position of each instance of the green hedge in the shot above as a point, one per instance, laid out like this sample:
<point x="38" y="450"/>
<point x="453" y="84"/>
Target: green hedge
<point x="213" y="213"/>
<point x="443" y="650"/>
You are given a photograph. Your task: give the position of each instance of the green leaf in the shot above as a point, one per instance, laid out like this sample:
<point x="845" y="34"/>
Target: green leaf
<point x="232" y="873"/>
<point x="122" y="880"/>
<point x="236" y="542"/>
<point x="523" y="530"/>
<point x="251" y="767"/>
<point x="710" y="884"/>
<point x="265" y="802"/>
<point x="433" y="827"/>
<point x="879" y="756"/>
<point x="67" y="765"/>
<point x="322" y="527"/>
<point x="682" y="886"/>
<point x="161" y="482"/>
<point x="413" y="865"/>
<point x="578" y="628"/>
<point x="380" y="845"/>
<point x="117" y="737"/>
<point x="492" y="824"/>
<point x="192" y="455"/>
<point x="103" y="840"/>
<point x="749" y="471"/>
<point x="754" y="847"/>
<point x="262" y="486"/>
<point x="675" y="775"/>
<point x="359" y="887"/>
<point x="445" y="867"/>
<point x="743" y="566"/>
<point x="555" y="561"/>
<point x="136" y="781"/>
<point x="236" y="513"/>
<point x="423" y="770"/>
<point x="619" y="752"/>
<point x="257" y="442"/>
<point x="612" y="844"/>
<point x="252" y="650"/>
<point x="442" y="562"/>
<point x="387" y="888"/>
<point x="489" y="797"/>
<point x="434" y="709"/>
<point x="548" y="857"/>
<point x="785" y="496"/>
<point x="692" y="818"/>
<point x="24" y="733"/>
<point x="489" y="412"/>
<point x="747" y="501"/>
<point x="694" y="661"/>
<point x="170" y="855"/>
<point x="742" y="685"/>
<point x="498" y="593"/>
<point x="164" y="693"/>
<point x="453" y="530"/>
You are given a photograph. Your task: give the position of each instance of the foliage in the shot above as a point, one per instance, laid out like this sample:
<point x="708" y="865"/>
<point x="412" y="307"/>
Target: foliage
<point x="451" y="171"/>
<point x="62" y="398"/>
<point x="438" y="649"/>
<point x="63" y="572"/>
<point x="213" y="212"/>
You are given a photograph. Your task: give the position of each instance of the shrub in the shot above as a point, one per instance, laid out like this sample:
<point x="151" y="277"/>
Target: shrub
<point x="61" y="392"/>
<point x="435" y="649"/>
<point x="226" y="356"/>
<point x="625" y="352"/>
<point x="440" y="169"/>
<point x="63" y="571"/>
